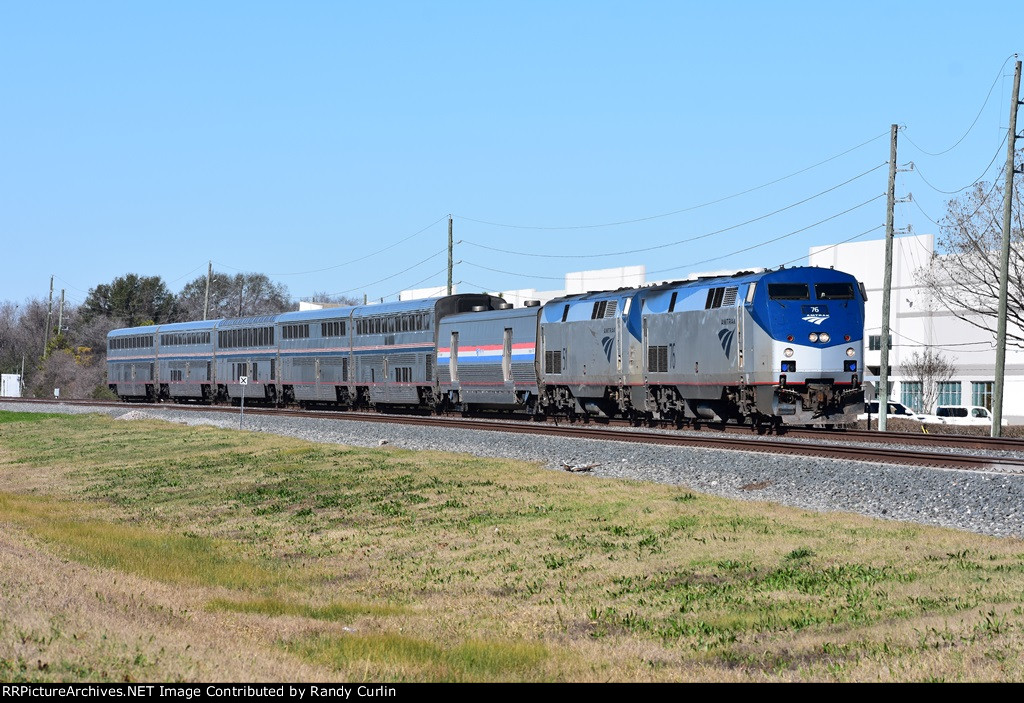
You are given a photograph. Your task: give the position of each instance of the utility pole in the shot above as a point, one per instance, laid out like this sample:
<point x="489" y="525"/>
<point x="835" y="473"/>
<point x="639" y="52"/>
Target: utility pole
<point x="1004" y="263"/>
<point x="206" y="301"/>
<point x="883" y="372"/>
<point x="60" y="315"/>
<point x="449" y="254"/>
<point x="49" y="316"/>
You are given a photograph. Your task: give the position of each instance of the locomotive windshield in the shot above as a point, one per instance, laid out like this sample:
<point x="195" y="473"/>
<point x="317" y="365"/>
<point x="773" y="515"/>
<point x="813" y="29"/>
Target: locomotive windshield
<point x="834" y="291"/>
<point x="789" y="291"/>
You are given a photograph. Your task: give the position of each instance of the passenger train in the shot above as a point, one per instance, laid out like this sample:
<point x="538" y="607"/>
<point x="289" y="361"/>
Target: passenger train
<point x="767" y="348"/>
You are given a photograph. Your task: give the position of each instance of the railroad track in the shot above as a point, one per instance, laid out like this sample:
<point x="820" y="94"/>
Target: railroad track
<point x="736" y="439"/>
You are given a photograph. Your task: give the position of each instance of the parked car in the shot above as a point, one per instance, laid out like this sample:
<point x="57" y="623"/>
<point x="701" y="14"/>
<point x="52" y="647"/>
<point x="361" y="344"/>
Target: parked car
<point x="898" y="410"/>
<point x="964" y="415"/>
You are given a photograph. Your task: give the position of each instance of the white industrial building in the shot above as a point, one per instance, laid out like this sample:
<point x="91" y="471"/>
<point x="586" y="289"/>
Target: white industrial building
<point x="919" y="323"/>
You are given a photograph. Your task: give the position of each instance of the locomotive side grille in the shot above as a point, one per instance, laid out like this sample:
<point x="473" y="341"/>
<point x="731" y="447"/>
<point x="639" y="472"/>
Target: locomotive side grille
<point x="610" y="310"/>
<point x="730" y="296"/>
<point x="657" y="359"/>
<point x="553" y="362"/>
<point x="430" y="368"/>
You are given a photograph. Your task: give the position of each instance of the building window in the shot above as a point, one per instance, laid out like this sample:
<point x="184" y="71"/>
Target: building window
<point x="949" y="392"/>
<point x="913" y="397"/>
<point x="875" y="342"/>
<point x="981" y="394"/>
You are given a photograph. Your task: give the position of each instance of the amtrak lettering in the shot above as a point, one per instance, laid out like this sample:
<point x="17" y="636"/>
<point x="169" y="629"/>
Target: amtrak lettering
<point x="815" y="314"/>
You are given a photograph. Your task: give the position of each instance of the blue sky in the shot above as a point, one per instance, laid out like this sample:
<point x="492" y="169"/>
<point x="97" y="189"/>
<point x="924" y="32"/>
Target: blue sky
<point x="289" y="138"/>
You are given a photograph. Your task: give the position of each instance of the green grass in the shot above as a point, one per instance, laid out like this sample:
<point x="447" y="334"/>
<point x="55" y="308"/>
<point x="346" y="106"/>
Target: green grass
<point x="334" y="612"/>
<point x="451" y="567"/>
<point x="154" y="554"/>
<point x="10" y="416"/>
<point x="405" y="658"/>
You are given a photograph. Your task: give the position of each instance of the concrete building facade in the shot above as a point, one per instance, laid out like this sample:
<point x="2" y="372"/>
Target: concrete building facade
<point x="919" y="323"/>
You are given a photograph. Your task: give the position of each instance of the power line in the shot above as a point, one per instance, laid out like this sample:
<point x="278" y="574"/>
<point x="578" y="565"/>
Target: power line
<point x="697" y="263"/>
<point x="927" y="216"/>
<point x="676" y="212"/>
<point x="187" y="274"/>
<point x="973" y="183"/>
<point x="351" y="261"/>
<point x="394" y="275"/>
<point x="981" y="203"/>
<point x="422" y="280"/>
<point x="779" y="238"/>
<point x="512" y="273"/>
<point x="483" y="289"/>
<point x="69" y="285"/>
<point x="983" y="105"/>
<point x="681" y="241"/>
<point x="945" y="347"/>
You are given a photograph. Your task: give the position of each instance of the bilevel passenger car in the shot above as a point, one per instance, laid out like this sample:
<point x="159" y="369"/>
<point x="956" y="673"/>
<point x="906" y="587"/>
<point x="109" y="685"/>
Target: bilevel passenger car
<point x="773" y="347"/>
<point x="356" y="356"/>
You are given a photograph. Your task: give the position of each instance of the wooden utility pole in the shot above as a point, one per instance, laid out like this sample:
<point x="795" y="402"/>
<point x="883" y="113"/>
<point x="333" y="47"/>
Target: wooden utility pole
<point x="449" y="254"/>
<point x="883" y="372"/>
<point x="1004" y="263"/>
<point x="206" y="301"/>
<point x="60" y="315"/>
<point x="49" y="316"/>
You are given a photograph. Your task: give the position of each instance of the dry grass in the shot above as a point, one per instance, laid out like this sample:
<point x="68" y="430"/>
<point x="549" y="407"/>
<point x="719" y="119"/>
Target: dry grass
<point x="393" y="565"/>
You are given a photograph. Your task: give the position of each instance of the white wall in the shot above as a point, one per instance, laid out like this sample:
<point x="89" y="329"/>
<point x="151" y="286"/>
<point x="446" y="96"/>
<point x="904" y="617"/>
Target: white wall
<point x="10" y="385"/>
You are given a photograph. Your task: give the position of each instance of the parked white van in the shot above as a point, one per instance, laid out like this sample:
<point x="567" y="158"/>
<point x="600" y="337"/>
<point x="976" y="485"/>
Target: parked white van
<point x="964" y="415"/>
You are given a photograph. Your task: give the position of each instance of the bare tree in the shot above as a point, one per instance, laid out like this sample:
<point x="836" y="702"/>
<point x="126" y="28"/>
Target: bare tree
<point x="332" y="300"/>
<point x="22" y="330"/>
<point x="929" y="368"/>
<point x="964" y="277"/>
<point x="75" y="356"/>
<point x="74" y="375"/>
<point x="240" y="295"/>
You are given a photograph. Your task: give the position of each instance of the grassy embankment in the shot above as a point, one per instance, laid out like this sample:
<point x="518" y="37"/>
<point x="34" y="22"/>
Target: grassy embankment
<point x="152" y="551"/>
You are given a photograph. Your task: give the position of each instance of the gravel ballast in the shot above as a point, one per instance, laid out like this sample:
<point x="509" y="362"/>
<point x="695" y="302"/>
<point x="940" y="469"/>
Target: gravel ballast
<point x="984" y="502"/>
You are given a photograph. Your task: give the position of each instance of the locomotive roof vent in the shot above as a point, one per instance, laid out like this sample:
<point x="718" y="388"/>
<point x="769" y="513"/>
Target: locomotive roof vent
<point x="531" y="303"/>
<point x="505" y="306"/>
<point x="478" y="308"/>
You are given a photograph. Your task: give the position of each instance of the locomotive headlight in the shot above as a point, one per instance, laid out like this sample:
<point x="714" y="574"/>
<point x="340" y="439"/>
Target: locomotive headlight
<point x="787" y="352"/>
<point x="824" y="337"/>
<point x="850" y="351"/>
<point x="813" y="336"/>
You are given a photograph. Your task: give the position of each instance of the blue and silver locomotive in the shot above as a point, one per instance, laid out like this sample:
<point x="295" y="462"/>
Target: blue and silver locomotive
<point x="773" y="347"/>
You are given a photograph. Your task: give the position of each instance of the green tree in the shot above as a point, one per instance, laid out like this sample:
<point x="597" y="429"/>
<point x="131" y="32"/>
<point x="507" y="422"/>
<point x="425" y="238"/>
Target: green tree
<point x="131" y="299"/>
